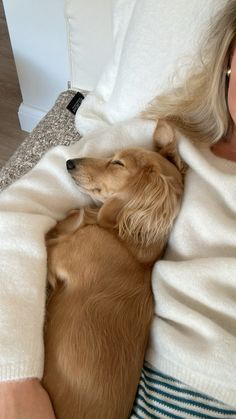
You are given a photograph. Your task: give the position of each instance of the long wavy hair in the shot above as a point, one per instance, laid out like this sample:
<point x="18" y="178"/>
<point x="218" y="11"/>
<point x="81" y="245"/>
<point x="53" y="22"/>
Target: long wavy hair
<point x="198" y="106"/>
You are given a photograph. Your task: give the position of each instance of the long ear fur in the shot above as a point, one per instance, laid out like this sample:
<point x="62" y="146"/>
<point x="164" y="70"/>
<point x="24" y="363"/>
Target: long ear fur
<point x="148" y="216"/>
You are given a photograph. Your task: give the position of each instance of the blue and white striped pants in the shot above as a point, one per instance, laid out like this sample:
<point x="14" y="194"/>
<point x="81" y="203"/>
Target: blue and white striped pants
<point x="160" y="396"/>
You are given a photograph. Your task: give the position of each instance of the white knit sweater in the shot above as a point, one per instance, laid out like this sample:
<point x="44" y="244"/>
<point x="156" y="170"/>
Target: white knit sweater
<point x="193" y="336"/>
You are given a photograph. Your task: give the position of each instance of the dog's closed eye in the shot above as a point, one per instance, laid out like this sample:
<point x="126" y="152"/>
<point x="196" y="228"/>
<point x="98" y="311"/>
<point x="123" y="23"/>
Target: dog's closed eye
<point x="118" y="162"/>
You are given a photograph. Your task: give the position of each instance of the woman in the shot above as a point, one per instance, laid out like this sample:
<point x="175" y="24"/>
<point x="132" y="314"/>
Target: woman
<point x="193" y="335"/>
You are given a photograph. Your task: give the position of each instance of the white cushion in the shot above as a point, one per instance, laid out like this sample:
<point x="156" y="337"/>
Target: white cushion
<point x="151" y="38"/>
<point x="90" y="40"/>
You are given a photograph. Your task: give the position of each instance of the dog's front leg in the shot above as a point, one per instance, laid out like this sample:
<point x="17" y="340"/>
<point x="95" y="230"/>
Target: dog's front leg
<point x="72" y="222"/>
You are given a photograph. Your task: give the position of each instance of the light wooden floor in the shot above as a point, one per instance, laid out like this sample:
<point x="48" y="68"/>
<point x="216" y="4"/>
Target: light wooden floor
<point x="10" y="97"/>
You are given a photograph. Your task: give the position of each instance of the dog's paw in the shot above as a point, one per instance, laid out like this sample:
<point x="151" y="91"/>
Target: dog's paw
<point x="166" y="143"/>
<point x="164" y="134"/>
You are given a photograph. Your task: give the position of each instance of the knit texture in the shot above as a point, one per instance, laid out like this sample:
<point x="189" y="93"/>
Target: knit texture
<point x="193" y="335"/>
<point x="56" y="128"/>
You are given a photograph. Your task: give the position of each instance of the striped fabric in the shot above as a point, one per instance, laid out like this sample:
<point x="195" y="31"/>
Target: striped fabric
<point x="160" y="396"/>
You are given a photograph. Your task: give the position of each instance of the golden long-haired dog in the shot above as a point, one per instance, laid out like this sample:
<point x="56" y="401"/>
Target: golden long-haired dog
<point x="99" y="267"/>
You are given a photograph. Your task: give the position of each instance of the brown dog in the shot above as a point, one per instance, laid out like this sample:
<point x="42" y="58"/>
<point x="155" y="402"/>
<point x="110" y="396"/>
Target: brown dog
<point x="99" y="267"/>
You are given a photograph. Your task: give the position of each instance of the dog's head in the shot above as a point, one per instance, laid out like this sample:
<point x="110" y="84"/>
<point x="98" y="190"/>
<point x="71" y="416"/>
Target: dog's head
<point x="140" y="191"/>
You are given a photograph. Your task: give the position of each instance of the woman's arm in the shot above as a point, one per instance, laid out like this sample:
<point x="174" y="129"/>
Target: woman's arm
<point x="24" y="399"/>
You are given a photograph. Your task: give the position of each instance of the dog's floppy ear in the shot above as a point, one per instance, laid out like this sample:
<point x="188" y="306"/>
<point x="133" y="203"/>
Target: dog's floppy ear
<point x="148" y="215"/>
<point x="166" y="144"/>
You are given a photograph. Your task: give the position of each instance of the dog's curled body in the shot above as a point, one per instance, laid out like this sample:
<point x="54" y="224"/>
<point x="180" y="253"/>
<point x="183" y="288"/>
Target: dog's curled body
<point x="99" y="266"/>
<point x="97" y="330"/>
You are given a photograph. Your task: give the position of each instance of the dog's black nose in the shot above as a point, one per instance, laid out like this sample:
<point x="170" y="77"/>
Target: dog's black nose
<point x="70" y="164"/>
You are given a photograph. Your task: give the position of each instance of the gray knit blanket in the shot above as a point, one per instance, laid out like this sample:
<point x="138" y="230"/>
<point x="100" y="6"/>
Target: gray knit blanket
<point x="56" y="128"/>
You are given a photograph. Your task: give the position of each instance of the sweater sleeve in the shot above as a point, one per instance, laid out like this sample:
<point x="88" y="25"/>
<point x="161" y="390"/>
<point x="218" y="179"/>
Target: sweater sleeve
<point x="28" y="209"/>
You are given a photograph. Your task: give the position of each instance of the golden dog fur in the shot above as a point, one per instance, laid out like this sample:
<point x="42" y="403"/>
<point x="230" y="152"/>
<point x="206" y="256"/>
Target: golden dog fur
<point x="99" y="267"/>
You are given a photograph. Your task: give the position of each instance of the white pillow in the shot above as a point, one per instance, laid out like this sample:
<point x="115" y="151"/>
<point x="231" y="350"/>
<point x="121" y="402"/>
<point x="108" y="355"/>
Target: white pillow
<point x="150" y="37"/>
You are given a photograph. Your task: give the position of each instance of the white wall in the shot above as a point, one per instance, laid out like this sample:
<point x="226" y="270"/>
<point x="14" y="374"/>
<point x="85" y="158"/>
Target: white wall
<point x="38" y="36"/>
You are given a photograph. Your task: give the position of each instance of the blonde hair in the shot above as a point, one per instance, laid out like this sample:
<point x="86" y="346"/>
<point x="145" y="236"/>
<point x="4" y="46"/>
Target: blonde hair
<point x="198" y="108"/>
